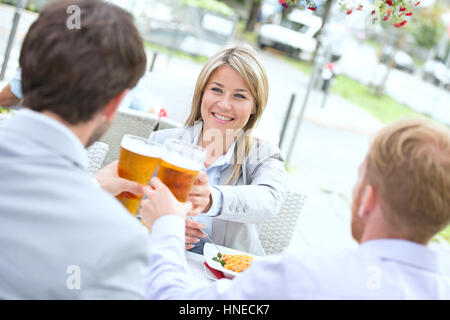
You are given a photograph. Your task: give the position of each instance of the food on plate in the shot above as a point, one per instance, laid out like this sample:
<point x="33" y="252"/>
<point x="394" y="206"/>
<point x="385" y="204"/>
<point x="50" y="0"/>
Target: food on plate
<point x="5" y="110"/>
<point x="219" y="259"/>
<point x="234" y="262"/>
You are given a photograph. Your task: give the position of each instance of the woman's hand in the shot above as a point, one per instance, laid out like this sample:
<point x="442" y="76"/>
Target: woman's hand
<point x="109" y="180"/>
<point x="160" y="202"/>
<point x="200" y="195"/>
<point x="193" y="233"/>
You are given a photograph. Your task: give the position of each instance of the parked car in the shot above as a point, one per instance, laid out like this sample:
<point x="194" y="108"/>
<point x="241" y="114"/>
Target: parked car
<point x="294" y="35"/>
<point x="436" y="72"/>
<point x="402" y="60"/>
<point x="199" y="28"/>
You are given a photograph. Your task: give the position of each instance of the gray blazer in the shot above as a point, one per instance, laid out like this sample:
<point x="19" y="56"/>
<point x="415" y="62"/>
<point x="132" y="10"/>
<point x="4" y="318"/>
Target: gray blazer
<point x="61" y="236"/>
<point x="257" y="195"/>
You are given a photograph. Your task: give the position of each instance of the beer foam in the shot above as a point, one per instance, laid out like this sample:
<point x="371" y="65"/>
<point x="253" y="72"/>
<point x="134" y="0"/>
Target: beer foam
<point x="138" y="147"/>
<point x="181" y="162"/>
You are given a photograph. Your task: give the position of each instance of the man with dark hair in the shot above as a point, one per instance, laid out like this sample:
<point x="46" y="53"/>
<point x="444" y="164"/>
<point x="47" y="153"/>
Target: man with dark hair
<point x="61" y="236"/>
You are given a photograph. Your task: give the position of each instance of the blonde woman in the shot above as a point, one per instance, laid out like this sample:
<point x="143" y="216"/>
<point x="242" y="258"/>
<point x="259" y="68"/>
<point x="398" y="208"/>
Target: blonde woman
<point x="243" y="181"/>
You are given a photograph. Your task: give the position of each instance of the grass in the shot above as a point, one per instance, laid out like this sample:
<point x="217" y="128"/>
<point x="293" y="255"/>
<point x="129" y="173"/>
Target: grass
<point x="175" y="53"/>
<point x="445" y="234"/>
<point x="303" y="66"/>
<point x="384" y="108"/>
<point x="250" y="37"/>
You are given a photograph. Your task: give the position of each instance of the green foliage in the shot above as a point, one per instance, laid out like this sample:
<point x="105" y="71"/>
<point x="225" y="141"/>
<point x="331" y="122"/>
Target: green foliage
<point x="210" y="5"/>
<point x="176" y="53"/>
<point x="32" y="5"/>
<point x="427" y="27"/>
<point x="250" y="37"/>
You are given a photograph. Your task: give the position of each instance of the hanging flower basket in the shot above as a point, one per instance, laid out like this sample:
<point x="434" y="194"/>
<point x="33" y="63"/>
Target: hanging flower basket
<point x="395" y="11"/>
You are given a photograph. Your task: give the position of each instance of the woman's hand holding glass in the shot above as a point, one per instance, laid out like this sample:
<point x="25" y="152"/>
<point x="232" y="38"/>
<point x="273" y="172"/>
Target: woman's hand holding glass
<point x="160" y="202"/>
<point x="200" y="197"/>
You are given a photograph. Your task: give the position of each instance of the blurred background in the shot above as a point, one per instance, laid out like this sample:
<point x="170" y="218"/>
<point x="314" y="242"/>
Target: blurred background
<point x="334" y="80"/>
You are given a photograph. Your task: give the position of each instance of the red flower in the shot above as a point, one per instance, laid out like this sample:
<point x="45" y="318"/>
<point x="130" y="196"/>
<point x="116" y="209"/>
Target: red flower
<point x="408" y="14"/>
<point x="402" y="9"/>
<point x="283" y="3"/>
<point x="312" y="8"/>
<point x="417" y="3"/>
<point x="349" y="11"/>
<point x="401" y="24"/>
<point x="373" y="12"/>
<point x="360" y="7"/>
<point x="389" y="2"/>
<point x="385" y="18"/>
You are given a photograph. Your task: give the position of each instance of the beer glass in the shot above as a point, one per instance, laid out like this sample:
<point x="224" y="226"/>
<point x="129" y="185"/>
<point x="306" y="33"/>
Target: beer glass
<point x="138" y="159"/>
<point x="180" y="164"/>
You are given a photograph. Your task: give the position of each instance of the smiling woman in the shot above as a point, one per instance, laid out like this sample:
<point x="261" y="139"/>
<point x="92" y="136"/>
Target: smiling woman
<point x="245" y="181"/>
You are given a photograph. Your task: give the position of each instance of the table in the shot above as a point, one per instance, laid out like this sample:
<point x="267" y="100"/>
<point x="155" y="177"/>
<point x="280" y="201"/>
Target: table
<point x="196" y="272"/>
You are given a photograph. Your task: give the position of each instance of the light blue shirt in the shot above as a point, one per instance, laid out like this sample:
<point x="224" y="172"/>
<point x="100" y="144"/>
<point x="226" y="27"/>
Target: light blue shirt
<point x="16" y="84"/>
<point x="377" y="269"/>
<point x="214" y="172"/>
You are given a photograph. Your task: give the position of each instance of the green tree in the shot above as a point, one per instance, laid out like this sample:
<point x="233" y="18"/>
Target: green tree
<point x="427" y="27"/>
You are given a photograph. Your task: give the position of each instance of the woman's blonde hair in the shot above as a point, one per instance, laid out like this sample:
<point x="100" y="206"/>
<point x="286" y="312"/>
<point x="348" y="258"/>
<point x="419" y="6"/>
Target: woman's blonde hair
<point x="409" y="166"/>
<point x="244" y="60"/>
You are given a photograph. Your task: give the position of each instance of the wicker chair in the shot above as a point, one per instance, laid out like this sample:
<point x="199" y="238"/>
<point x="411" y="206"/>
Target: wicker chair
<point x="276" y="233"/>
<point x="127" y="122"/>
<point x="96" y="155"/>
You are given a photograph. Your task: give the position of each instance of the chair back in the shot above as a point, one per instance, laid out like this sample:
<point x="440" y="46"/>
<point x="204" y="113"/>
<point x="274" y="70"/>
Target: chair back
<point x="276" y="233"/>
<point x="166" y="123"/>
<point x="127" y="122"/>
<point x="96" y="154"/>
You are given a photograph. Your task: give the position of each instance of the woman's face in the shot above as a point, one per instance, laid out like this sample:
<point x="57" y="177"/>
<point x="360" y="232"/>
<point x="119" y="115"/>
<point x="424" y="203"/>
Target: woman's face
<point x="227" y="102"/>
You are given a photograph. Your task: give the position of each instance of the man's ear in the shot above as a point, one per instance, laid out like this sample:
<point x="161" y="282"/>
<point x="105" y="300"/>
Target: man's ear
<point x="368" y="201"/>
<point x="111" y="108"/>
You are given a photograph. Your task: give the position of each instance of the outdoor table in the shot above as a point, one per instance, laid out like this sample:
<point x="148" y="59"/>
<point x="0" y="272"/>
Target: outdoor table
<point x="196" y="271"/>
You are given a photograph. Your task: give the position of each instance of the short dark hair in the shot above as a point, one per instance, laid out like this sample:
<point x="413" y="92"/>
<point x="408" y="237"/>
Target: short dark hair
<point x="74" y="73"/>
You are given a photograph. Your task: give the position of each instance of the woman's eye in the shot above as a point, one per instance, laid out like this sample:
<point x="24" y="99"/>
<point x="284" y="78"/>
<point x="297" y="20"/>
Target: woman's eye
<point x="217" y="90"/>
<point x="240" y="96"/>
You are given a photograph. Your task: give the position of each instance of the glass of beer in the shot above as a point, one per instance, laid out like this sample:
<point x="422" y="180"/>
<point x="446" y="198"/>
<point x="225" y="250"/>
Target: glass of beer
<point x="138" y="160"/>
<point x="180" y="164"/>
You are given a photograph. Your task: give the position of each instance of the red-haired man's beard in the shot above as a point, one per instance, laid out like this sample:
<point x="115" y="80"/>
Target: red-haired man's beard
<point x="358" y="224"/>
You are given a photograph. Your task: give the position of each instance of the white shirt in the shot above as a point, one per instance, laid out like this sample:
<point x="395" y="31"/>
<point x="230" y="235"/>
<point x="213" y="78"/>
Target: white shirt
<point x="377" y="269"/>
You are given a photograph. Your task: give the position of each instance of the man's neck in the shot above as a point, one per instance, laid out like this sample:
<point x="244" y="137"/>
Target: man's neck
<point x="82" y="131"/>
<point x="377" y="232"/>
